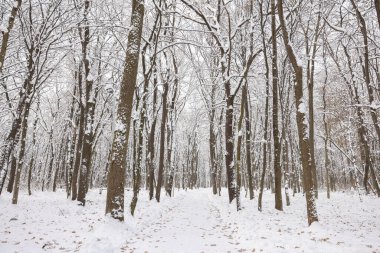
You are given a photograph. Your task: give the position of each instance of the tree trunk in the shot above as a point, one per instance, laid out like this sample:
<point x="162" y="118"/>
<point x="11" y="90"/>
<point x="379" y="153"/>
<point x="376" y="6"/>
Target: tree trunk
<point x="151" y="139"/>
<point x="115" y="186"/>
<point x="310" y="86"/>
<point x="377" y="7"/>
<point x="162" y="139"/>
<point x="24" y="129"/>
<point x="276" y="132"/>
<point x="262" y="179"/>
<point x="301" y="124"/>
<point x="248" y="141"/>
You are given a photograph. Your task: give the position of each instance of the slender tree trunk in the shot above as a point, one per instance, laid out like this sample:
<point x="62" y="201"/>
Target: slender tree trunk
<point x="162" y="139"/>
<point x="276" y="132"/>
<point x="301" y="122"/>
<point x="171" y="130"/>
<point x="310" y="82"/>
<point x="151" y="139"/>
<point x="238" y="153"/>
<point x="248" y="142"/>
<point x="262" y="179"/>
<point x="327" y="161"/>
<point x="79" y="137"/>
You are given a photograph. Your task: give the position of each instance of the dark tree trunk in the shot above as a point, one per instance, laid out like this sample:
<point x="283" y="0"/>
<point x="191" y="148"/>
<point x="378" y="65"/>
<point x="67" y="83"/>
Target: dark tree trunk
<point x="115" y="186"/>
<point x="162" y="139"/>
<point x="276" y="131"/>
<point x="301" y="125"/>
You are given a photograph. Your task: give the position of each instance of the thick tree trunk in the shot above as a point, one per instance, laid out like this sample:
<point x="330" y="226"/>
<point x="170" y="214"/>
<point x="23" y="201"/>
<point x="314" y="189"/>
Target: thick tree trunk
<point x="12" y="173"/>
<point x="115" y="186"/>
<point x="24" y="129"/>
<point x="377" y="7"/>
<point x="5" y="39"/>
<point x="13" y="136"/>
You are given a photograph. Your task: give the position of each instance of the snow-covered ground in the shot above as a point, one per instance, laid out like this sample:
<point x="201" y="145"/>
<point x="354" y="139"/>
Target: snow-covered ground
<point x="192" y="221"/>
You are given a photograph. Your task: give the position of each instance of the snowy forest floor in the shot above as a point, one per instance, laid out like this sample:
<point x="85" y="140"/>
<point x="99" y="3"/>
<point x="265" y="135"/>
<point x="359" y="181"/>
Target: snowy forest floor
<point x="192" y="221"/>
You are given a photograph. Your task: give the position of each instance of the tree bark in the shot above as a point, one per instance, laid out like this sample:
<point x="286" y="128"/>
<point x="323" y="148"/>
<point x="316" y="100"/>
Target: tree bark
<point x="301" y="124"/>
<point x="248" y="141"/>
<point x="115" y="186"/>
<point x="162" y="139"/>
<point x="276" y="131"/>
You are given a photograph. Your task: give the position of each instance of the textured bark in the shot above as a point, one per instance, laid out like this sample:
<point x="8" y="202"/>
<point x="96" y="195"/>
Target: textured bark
<point x="79" y="137"/>
<point x="89" y="112"/>
<point x="31" y="163"/>
<point x="212" y="144"/>
<point x="5" y="39"/>
<point x="24" y="129"/>
<point x="301" y="126"/>
<point x="162" y="140"/>
<point x="12" y="174"/>
<point x="13" y="136"/>
<point x="276" y="131"/>
<point x="229" y="141"/>
<point x="115" y="186"/>
<point x="310" y="86"/>
<point x="377" y="7"/>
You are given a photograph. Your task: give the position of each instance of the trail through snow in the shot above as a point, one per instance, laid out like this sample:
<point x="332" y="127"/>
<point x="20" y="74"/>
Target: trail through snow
<point x="192" y="225"/>
<point x="191" y="221"/>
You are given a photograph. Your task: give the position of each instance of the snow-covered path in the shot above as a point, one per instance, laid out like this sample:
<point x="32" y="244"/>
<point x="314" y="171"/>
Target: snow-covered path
<point x="194" y="221"/>
<point x="192" y="225"/>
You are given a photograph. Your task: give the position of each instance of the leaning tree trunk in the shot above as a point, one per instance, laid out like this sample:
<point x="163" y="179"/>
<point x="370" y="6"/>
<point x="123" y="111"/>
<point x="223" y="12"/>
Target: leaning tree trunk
<point x="31" y="163"/>
<point x="9" y="143"/>
<point x="115" y="185"/>
<point x="24" y="129"/>
<point x="366" y="69"/>
<point x="301" y="122"/>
